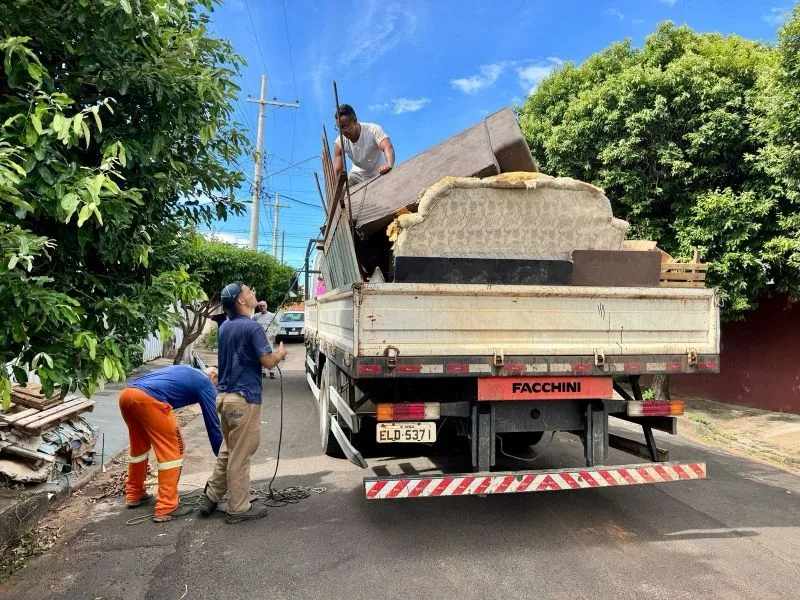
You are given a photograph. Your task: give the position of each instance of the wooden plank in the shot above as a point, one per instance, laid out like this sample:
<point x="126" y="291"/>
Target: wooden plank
<point x="33" y="388"/>
<point x="13" y="417"/>
<point x="38" y="403"/>
<point x="27" y="453"/>
<point x="49" y="411"/>
<point x="670" y="276"/>
<point x="670" y="266"/>
<point x="678" y="284"/>
<point x="31" y="396"/>
<point x="37" y="426"/>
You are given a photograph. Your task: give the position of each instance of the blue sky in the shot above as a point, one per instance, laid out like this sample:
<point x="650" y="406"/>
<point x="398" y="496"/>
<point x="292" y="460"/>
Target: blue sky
<point x="424" y="70"/>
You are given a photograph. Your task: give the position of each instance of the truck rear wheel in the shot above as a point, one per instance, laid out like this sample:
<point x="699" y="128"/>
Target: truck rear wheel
<point x="329" y="444"/>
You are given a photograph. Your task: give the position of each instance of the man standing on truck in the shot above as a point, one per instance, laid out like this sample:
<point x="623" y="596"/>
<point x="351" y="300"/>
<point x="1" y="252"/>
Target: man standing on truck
<point x="366" y="144"/>
<point x="243" y="350"/>
<point x="146" y="405"/>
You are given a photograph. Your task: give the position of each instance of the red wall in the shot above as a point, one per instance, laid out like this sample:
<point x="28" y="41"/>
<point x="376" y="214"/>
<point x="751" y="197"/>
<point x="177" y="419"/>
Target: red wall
<point x="760" y="361"/>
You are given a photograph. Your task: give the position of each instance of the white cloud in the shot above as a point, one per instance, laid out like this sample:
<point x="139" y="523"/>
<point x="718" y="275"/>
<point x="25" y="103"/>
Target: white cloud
<point x="400" y="105"/>
<point x="529" y="72"/>
<point x="380" y="27"/>
<point x="228" y="239"/>
<point x="488" y="76"/>
<point x="669" y="3"/>
<point x="613" y="12"/>
<point x="403" y="105"/>
<point x="776" y="15"/>
<point x="531" y="75"/>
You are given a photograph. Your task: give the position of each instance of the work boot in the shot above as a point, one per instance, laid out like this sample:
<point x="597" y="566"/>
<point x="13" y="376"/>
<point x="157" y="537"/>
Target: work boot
<point x="181" y="511"/>
<point x="206" y="505"/>
<point x="256" y="511"/>
<point x="143" y="500"/>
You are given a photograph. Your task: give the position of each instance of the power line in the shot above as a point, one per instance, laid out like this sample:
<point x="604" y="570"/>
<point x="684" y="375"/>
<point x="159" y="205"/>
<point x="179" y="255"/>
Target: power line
<point x="304" y="203"/>
<point x="289" y="45"/>
<point x="255" y="35"/>
<point x="294" y="83"/>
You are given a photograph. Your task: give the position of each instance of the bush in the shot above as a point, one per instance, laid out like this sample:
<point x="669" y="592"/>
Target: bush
<point x="210" y="339"/>
<point x="135" y="357"/>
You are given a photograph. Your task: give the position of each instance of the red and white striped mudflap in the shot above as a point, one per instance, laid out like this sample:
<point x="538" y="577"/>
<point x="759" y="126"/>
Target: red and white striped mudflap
<point x="474" y="484"/>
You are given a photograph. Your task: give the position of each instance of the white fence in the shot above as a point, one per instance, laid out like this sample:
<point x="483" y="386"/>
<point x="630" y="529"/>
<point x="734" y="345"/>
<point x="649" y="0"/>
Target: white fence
<point x="153" y="346"/>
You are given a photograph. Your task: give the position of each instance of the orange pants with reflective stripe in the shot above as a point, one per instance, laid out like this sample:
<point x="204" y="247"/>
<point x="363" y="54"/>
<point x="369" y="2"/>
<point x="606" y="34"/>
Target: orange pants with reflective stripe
<point x="152" y="423"/>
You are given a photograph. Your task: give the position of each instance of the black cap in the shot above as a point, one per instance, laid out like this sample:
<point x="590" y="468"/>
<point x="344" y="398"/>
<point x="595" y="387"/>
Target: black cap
<point x="229" y="295"/>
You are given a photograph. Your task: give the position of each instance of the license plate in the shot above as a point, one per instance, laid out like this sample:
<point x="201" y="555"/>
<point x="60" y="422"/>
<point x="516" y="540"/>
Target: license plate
<point x="406" y="432"/>
<point x="294" y="333"/>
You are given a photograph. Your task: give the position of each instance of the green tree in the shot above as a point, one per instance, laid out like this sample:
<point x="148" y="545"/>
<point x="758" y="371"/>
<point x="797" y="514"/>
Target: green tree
<point x="215" y="264"/>
<point x="667" y="130"/>
<point x="115" y="140"/>
<point x="778" y="120"/>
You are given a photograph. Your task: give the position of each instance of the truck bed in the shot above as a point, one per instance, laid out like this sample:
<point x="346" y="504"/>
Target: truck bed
<point x="473" y="320"/>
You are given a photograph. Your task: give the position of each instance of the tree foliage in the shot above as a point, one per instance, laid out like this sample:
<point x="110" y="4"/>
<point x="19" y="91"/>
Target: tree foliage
<point x="115" y="139"/>
<point x="216" y="264"/>
<point x="670" y="132"/>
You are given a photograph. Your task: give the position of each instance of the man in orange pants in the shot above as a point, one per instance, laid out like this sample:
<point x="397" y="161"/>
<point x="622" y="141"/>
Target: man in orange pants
<point x="146" y="406"/>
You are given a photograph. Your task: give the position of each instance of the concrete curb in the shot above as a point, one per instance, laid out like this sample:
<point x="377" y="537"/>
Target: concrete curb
<point x="22" y="510"/>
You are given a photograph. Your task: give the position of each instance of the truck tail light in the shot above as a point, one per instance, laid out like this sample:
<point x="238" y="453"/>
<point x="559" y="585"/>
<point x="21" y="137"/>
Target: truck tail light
<point x="408" y="411"/>
<point x="653" y="408"/>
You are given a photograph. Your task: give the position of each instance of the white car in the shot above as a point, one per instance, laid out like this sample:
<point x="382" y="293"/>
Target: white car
<point x="290" y="326"/>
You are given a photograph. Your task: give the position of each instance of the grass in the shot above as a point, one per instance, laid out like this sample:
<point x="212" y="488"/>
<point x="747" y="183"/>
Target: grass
<point x="707" y="429"/>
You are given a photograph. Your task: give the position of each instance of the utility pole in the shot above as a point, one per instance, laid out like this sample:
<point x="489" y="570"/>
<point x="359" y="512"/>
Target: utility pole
<point x="277" y="206"/>
<point x="283" y="243"/>
<point x="256" y="205"/>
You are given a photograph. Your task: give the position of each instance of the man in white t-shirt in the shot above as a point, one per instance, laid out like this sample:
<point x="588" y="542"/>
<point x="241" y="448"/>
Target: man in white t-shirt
<point x="263" y="317"/>
<point x="366" y="144"/>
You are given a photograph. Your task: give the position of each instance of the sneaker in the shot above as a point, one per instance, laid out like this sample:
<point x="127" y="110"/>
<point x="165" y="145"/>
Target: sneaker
<point x="181" y="511"/>
<point x="143" y="500"/>
<point x="256" y="511"/>
<point x="206" y="505"/>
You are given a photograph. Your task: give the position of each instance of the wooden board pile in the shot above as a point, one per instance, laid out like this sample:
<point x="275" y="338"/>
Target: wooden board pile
<point x="40" y="435"/>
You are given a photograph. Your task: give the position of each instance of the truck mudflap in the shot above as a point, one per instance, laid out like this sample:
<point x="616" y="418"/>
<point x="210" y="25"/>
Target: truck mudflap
<point x="475" y="484"/>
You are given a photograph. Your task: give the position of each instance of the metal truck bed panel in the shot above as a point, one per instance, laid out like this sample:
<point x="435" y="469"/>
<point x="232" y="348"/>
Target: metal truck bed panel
<point x="470" y="319"/>
<point x="333" y="319"/>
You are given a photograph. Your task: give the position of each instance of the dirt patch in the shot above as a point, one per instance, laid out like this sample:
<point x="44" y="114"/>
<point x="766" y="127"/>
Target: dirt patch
<point x="773" y="438"/>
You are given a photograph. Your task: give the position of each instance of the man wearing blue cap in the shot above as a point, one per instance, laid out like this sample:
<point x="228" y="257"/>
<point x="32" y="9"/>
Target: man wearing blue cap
<point x="243" y="350"/>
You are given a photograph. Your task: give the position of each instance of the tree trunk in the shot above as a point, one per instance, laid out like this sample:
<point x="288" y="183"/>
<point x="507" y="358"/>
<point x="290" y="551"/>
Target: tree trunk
<point x="192" y="328"/>
<point x="660" y="388"/>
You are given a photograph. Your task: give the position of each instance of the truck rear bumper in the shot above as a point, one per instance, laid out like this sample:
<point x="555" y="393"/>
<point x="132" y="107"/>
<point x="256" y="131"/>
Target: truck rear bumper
<point x="474" y="484"/>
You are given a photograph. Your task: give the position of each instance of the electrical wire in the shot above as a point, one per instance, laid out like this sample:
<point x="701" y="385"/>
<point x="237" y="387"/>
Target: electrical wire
<point x="293" y="494"/>
<point x="289" y="46"/>
<point x="255" y="36"/>
<point x="537" y="457"/>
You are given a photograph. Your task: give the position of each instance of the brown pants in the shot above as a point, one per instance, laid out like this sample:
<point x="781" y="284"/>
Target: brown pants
<point x="241" y="435"/>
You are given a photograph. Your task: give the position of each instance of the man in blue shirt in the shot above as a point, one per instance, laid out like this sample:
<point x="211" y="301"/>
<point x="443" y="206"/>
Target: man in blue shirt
<point x="243" y="350"/>
<point x="146" y="405"/>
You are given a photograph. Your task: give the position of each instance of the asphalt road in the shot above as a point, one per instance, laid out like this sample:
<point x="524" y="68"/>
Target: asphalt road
<point x="735" y="535"/>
